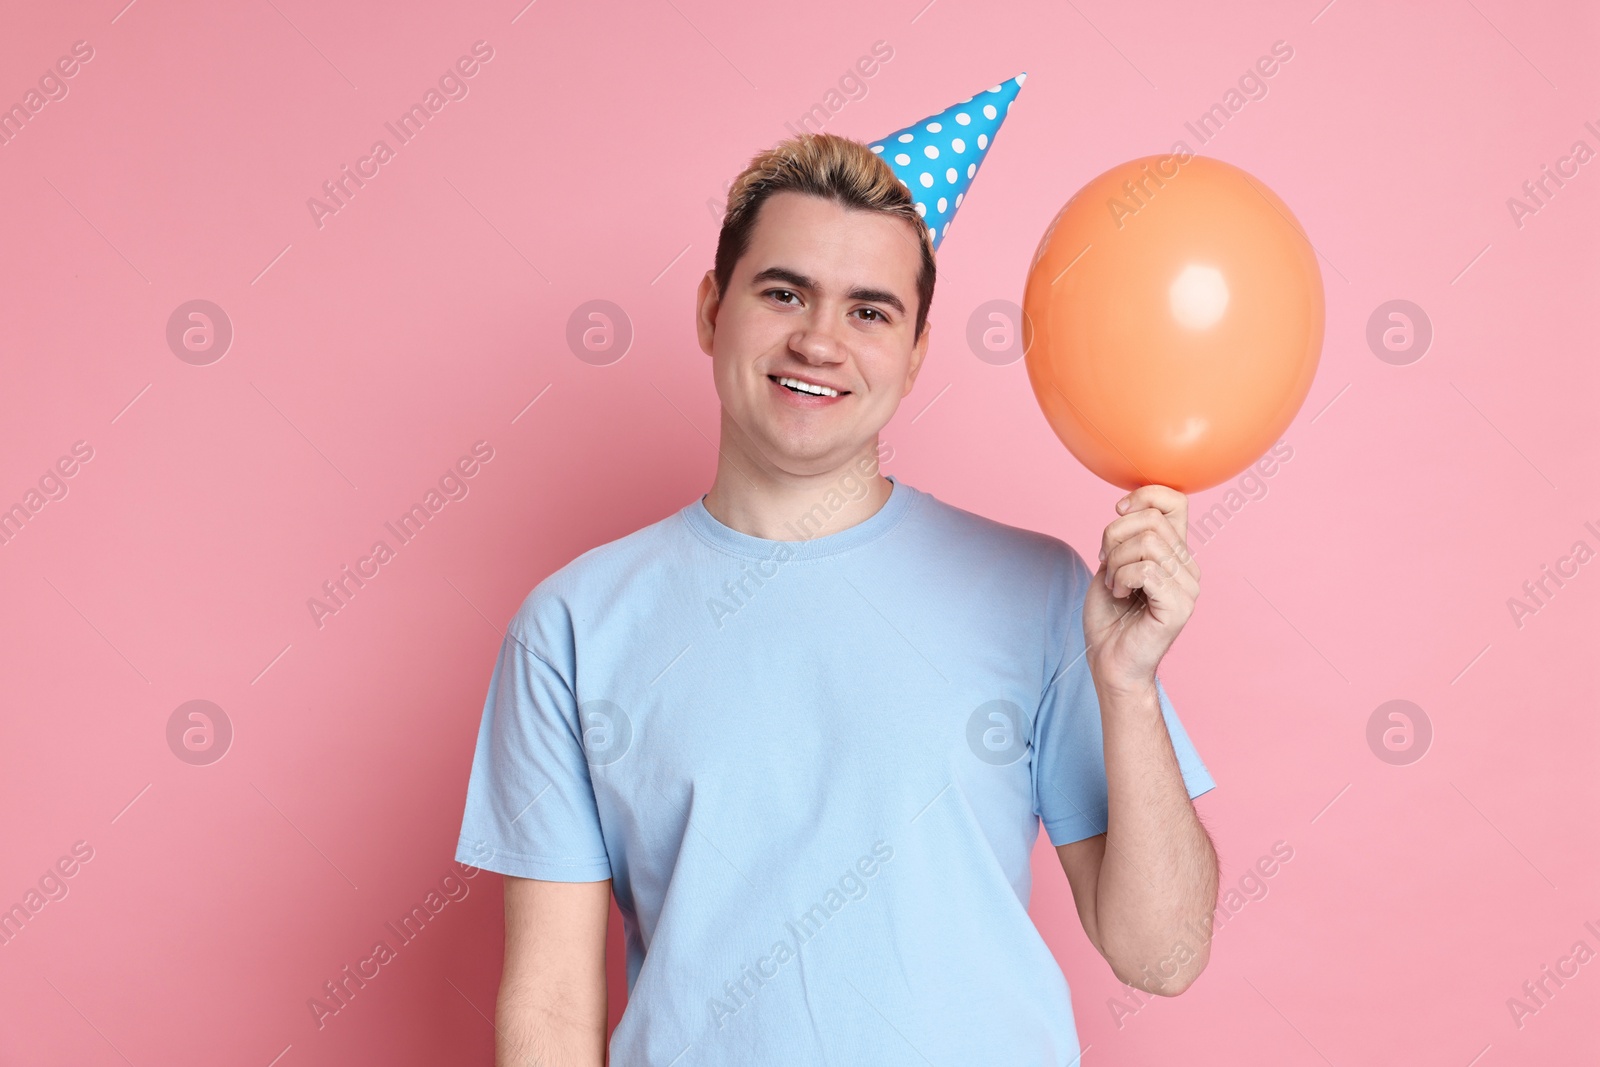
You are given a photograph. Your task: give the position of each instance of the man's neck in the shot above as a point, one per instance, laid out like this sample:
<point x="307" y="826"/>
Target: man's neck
<point x="755" y="498"/>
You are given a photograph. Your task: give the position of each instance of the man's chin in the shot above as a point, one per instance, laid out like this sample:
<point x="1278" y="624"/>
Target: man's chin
<point x="812" y="454"/>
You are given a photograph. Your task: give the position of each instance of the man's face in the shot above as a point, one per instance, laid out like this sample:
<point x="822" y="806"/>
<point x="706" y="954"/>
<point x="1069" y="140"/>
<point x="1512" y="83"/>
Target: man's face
<point x="826" y="295"/>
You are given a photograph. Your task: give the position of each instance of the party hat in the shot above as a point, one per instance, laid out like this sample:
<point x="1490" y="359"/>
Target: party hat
<point x="938" y="157"/>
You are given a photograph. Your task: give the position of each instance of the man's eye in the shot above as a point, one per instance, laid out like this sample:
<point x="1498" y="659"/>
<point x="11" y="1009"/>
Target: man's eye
<point x="880" y="316"/>
<point x="782" y="292"/>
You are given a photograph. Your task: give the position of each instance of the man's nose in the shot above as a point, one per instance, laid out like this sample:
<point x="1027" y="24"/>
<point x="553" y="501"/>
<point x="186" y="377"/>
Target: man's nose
<point x="819" y="339"/>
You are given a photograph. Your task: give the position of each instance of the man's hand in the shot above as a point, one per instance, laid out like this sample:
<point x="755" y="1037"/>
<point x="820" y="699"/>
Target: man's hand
<point x="1144" y="591"/>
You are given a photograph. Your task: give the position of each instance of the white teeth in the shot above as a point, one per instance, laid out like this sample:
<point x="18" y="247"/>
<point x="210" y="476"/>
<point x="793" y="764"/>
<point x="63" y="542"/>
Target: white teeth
<point x="807" y="387"/>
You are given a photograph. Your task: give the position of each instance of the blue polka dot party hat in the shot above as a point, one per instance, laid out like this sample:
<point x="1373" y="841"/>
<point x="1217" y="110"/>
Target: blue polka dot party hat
<point x="938" y="157"/>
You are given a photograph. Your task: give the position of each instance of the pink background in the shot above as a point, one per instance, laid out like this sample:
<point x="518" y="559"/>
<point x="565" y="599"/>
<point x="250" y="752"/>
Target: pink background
<point x="369" y="354"/>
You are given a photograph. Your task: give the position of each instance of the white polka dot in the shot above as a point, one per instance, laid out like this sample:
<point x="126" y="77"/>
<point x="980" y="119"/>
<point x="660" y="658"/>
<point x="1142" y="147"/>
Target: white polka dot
<point x="931" y="152"/>
<point x="932" y="232"/>
<point x="902" y="159"/>
<point x="878" y="148"/>
<point x="905" y="138"/>
<point x="903" y="182"/>
<point x="972" y="168"/>
<point x="983" y="140"/>
<point x="994" y="88"/>
<point x="989" y="112"/>
<point x="962" y="118"/>
<point x="933" y="127"/>
<point x="959" y="145"/>
<point x="945" y="230"/>
<point x="1020" y="78"/>
<point x="943" y="203"/>
<point x="922" y="209"/>
<point x="926" y="179"/>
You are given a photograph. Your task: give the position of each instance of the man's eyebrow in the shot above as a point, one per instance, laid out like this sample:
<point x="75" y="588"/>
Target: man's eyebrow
<point x="800" y="281"/>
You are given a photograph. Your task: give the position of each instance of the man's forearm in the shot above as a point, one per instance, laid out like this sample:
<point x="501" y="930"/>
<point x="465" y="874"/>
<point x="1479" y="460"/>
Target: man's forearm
<point x="528" y="1034"/>
<point x="551" y="1011"/>
<point x="1158" y="881"/>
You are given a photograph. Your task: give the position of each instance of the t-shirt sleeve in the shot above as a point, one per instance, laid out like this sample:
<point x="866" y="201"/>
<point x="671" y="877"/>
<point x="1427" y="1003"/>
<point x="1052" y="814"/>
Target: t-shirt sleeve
<point x="530" y="808"/>
<point x="1069" y="770"/>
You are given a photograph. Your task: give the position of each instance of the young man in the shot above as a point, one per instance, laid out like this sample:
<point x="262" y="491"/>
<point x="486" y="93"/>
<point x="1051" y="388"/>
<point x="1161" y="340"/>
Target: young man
<point x="806" y="728"/>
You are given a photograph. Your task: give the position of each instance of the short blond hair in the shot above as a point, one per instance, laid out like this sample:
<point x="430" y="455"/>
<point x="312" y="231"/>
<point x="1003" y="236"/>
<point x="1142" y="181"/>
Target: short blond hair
<point x="829" y="166"/>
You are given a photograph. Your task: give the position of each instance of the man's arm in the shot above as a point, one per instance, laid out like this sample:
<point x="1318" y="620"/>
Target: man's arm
<point x="1146" y="888"/>
<point x="551" y="1011"/>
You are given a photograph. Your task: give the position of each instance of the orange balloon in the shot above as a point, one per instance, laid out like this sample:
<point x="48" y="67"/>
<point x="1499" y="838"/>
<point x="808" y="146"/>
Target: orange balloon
<point x="1172" y="322"/>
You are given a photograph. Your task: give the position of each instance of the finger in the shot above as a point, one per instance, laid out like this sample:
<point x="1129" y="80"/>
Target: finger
<point x="1123" y="608"/>
<point x="1147" y="550"/>
<point x="1169" y="595"/>
<point x="1152" y="539"/>
<point x="1164" y="506"/>
<point x="1163" y="498"/>
<point x="1146" y="542"/>
<point x="1131" y="525"/>
<point x="1153" y="543"/>
<point x="1174" y="543"/>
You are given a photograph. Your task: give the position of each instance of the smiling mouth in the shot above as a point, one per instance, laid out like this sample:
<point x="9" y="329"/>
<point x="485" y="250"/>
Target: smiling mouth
<point x="800" y="388"/>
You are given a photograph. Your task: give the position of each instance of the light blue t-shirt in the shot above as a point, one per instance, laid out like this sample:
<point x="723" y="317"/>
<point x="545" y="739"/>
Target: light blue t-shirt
<point x="815" y="771"/>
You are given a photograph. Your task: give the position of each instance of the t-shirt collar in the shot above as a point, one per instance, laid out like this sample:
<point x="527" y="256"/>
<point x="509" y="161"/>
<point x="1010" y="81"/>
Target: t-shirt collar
<point x="811" y="541"/>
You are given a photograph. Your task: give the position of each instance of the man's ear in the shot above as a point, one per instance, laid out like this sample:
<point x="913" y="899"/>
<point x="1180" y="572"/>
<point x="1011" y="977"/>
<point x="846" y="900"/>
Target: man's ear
<point x="919" y="351"/>
<point x="707" y="301"/>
